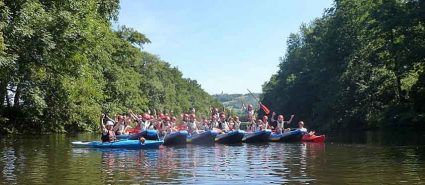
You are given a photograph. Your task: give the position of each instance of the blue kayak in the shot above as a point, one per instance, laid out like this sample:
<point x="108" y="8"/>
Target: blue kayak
<point x="259" y="136"/>
<point x="125" y="144"/>
<point x="176" y="138"/>
<point x="147" y="134"/>
<point x="230" y="137"/>
<point x="206" y="137"/>
<point x="291" y="136"/>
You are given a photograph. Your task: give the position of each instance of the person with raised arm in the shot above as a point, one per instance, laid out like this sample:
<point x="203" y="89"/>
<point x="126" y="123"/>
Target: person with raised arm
<point x="142" y="120"/>
<point x="108" y="129"/>
<point x="280" y="123"/>
<point x="250" y="112"/>
<point x="124" y="125"/>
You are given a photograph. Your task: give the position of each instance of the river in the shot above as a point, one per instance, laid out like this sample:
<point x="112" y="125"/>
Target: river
<point x="343" y="159"/>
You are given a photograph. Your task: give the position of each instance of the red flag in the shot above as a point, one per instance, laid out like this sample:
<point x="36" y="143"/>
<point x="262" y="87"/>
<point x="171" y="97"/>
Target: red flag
<point x="265" y="109"/>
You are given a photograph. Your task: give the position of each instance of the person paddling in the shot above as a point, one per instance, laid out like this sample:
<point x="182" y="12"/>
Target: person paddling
<point x="108" y="130"/>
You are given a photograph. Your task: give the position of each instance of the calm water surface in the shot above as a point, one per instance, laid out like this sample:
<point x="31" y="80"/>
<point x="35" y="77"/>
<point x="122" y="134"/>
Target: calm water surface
<point x="366" y="159"/>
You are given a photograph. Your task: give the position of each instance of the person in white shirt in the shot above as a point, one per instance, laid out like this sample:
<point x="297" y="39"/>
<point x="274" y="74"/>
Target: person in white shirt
<point x="279" y="124"/>
<point x="124" y="126"/>
<point x="303" y="129"/>
<point x="222" y="123"/>
<point x="192" y="124"/>
<point x="237" y="124"/>
<point x="265" y="122"/>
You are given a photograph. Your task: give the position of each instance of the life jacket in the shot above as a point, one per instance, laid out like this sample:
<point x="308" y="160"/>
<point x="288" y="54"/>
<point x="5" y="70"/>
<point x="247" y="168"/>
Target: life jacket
<point x="191" y="125"/>
<point x="280" y="125"/>
<point x="143" y="125"/>
<point x="108" y="137"/>
<point x="222" y="125"/>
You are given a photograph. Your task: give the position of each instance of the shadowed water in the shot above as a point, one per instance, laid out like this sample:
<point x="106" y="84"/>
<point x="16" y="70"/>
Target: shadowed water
<point x="52" y="160"/>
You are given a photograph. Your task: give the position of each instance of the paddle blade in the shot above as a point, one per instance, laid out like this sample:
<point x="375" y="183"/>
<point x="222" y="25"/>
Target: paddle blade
<point x="265" y="109"/>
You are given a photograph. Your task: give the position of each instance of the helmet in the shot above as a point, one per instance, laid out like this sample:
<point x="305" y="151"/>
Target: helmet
<point x="161" y="115"/>
<point x="109" y="123"/>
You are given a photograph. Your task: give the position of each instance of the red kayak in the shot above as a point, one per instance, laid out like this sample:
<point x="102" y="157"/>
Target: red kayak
<point x="313" y="138"/>
<point x="133" y="130"/>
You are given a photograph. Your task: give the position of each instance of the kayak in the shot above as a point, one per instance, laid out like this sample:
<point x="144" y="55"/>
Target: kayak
<point x="291" y="136"/>
<point x="134" y="130"/>
<point x="147" y="134"/>
<point x="176" y="138"/>
<point x="206" y="137"/>
<point x="125" y="144"/>
<point x="258" y="136"/>
<point x="313" y="138"/>
<point x="230" y="137"/>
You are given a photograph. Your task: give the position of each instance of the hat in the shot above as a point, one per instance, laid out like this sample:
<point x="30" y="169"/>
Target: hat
<point x="109" y="123"/>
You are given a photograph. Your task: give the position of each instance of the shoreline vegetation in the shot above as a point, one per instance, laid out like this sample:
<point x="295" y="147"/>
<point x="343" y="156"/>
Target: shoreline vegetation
<point x="359" y="66"/>
<point x="62" y="64"/>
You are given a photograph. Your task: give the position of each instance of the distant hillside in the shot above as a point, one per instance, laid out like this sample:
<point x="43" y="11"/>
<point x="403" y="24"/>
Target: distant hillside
<point x="234" y="101"/>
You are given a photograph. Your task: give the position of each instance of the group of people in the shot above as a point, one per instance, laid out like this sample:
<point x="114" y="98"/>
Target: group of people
<point x="166" y="123"/>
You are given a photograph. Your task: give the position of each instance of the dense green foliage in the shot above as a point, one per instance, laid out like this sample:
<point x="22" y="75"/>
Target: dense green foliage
<point x="361" y="65"/>
<point x="62" y="65"/>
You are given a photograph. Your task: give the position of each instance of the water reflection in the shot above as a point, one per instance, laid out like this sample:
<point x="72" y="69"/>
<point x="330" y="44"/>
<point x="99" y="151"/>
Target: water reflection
<point x="8" y="156"/>
<point x="52" y="160"/>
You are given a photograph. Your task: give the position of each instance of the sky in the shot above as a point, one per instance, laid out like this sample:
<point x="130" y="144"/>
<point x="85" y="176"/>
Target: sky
<point x="226" y="45"/>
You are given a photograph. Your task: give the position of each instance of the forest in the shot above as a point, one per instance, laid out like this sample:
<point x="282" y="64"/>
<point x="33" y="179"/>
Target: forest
<point x="359" y="66"/>
<point x="63" y="64"/>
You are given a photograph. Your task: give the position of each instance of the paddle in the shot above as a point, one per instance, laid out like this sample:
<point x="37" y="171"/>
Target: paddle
<point x="263" y="107"/>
